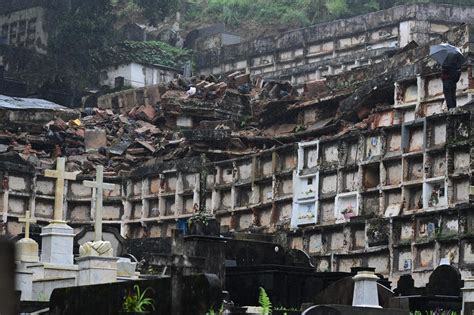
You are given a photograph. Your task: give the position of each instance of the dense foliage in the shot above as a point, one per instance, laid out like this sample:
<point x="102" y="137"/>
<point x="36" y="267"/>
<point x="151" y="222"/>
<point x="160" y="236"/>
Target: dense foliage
<point x="151" y="52"/>
<point x="294" y="12"/>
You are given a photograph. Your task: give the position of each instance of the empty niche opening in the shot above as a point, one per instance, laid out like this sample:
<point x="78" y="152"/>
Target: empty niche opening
<point x="79" y="211"/>
<point x="245" y="171"/>
<point x="137" y="188"/>
<point x="327" y="211"/>
<point x="18" y="204"/>
<point x="188" y="204"/>
<point x="227" y="175"/>
<point x="358" y="238"/>
<point x="311" y="156"/>
<point x="154" y="207"/>
<point x="169" y="205"/>
<point x="226" y="199"/>
<point x="370" y="203"/>
<point x="287" y="161"/>
<point x="351" y="152"/>
<point x="266" y="192"/>
<point x="136" y="210"/>
<point x="407" y="93"/>
<point x="371" y="176"/>
<point x="415" y="140"/>
<point x="403" y="232"/>
<point x="392" y="202"/>
<point x="461" y="188"/>
<point x="266" y="167"/>
<point x="169" y="184"/>
<point x="461" y="162"/>
<point x="190" y="181"/>
<point x="436" y="165"/>
<point x="285" y="186"/>
<point x="244" y="195"/>
<point x="414" y="168"/>
<point x="349" y="180"/>
<point x="436" y="134"/>
<point x="329" y="153"/>
<point x="435" y="194"/>
<point x="113" y="210"/>
<point x="414" y="197"/>
<point x="393" y="173"/>
<point x="328" y="185"/>
<point x="394" y="142"/>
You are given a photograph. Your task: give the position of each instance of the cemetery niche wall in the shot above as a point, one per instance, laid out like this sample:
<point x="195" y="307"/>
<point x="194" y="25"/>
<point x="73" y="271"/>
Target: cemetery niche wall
<point x="367" y="168"/>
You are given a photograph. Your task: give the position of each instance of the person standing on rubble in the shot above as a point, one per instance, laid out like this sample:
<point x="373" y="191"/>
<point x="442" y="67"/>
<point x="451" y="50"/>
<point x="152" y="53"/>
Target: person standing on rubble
<point x="451" y="59"/>
<point x="450" y="77"/>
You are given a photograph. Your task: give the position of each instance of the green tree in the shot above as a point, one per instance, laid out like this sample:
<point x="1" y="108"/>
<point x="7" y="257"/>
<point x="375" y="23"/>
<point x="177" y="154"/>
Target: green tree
<point x="85" y="26"/>
<point x="337" y="8"/>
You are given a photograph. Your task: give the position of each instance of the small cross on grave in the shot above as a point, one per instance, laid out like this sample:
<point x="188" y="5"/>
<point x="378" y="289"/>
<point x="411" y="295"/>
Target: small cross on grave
<point x="99" y="187"/>
<point x="27" y="220"/>
<point x="60" y="174"/>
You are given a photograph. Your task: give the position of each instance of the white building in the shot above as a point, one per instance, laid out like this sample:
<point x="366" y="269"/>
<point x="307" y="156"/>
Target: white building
<point x="139" y="75"/>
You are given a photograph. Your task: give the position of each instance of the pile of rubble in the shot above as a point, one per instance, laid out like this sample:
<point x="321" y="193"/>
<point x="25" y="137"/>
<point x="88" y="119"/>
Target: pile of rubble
<point x="216" y="114"/>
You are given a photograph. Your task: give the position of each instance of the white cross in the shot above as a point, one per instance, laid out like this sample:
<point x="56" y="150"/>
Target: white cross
<point x="27" y="220"/>
<point x="99" y="186"/>
<point x="60" y="174"/>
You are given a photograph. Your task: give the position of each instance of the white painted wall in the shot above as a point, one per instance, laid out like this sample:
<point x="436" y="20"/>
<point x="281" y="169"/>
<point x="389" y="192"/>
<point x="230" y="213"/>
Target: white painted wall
<point x="137" y="75"/>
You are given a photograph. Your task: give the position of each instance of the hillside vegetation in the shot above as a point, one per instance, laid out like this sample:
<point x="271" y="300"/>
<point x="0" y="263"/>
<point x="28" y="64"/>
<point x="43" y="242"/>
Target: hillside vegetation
<point x="292" y="12"/>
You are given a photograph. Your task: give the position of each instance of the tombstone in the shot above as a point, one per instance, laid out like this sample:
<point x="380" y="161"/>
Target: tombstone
<point x="27" y="248"/>
<point x="96" y="262"/>
<point x="365" y="290"/>
<point x="342" y="292"/>
<point x="8" y="298"/>
<point x="57" y="237"/>
<point x="445" y="280"/>
<point x="26" y="253"/>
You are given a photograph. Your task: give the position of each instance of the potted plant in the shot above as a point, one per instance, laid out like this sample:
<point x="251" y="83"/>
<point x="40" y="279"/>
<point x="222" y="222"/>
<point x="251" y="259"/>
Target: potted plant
<point x="136" y="302"/>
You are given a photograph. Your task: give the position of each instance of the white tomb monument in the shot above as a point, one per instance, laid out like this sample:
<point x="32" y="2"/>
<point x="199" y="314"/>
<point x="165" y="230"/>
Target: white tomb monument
<point x="26" y="253"/>
<point x="58" y="237"/>
<point x="96" y="261"/>
<point x="365" y="290"/>
<point x="27" y="248"/>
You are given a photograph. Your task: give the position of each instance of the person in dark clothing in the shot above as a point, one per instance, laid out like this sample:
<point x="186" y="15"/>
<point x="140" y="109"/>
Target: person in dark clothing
<point x="450" y="77"/>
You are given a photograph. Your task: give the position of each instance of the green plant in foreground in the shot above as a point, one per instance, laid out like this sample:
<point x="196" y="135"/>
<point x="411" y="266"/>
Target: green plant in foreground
<point x="137" y="302"/>
<point x="264" y="302"/>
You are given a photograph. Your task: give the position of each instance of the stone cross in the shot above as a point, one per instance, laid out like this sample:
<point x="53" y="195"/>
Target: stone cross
<point x="60" y="174"/>
<point x="27" y="220"/>
<point x="99" y="186"/>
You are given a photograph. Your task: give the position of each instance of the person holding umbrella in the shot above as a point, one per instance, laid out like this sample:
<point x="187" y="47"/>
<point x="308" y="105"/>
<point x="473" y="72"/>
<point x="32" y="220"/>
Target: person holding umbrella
<point x="451" y="59"/>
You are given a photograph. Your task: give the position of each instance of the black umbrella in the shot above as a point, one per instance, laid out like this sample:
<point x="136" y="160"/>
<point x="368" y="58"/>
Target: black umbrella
<point x="447" y="55"/>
